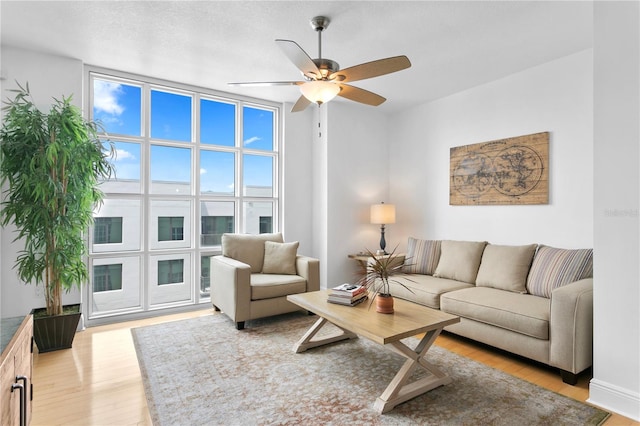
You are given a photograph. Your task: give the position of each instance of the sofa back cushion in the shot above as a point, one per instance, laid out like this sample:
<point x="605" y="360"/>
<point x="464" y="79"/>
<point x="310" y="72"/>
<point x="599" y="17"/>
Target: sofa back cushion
<point x="422" y="256"/>
<point x="555" y="267"/>
<point x="459" y="260"/>
<point x="248" y="248"/>
<point x="505" y="267"/>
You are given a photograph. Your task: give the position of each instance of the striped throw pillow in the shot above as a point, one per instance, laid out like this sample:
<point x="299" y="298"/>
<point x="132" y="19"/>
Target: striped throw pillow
<point x="422" y="256"/>
<point x="554" y="267"/>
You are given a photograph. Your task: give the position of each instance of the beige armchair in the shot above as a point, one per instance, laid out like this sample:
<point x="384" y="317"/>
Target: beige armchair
<point x="255" y="273"/>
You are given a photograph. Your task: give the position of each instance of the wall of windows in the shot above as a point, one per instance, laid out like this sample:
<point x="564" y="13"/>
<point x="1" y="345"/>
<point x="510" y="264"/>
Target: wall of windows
<point x="190" y="165"/>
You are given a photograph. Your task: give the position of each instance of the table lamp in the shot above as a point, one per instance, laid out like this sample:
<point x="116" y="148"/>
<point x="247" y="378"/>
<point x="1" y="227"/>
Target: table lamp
<point x="383" y="214"/>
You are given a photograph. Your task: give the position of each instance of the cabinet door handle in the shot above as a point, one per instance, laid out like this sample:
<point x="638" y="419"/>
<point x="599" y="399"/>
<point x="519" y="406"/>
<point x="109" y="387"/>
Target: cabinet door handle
<point x="23" y="420"/>
<point x="25" y="383"/>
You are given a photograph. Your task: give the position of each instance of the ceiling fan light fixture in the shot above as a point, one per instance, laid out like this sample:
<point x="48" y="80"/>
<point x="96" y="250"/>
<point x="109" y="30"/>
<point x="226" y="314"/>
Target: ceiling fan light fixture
<point x="319" y="92"/>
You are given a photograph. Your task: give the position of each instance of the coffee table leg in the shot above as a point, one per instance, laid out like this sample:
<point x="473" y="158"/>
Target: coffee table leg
<point x="398" y="390"/>
<point x="307" y="341"/>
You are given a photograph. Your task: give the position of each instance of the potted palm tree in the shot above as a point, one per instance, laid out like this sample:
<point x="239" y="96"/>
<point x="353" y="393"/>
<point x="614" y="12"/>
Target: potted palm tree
<point x="376" y="275"/>
<point x="50" y="166"/>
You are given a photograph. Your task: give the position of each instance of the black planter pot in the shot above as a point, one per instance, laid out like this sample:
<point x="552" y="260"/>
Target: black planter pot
<point x="52" y="333"/>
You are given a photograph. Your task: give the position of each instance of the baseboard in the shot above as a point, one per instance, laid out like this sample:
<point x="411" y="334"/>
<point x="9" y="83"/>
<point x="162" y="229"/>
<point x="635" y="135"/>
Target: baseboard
<point x="614" y="398"/>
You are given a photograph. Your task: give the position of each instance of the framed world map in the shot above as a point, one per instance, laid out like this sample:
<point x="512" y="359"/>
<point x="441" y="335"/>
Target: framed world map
<point x="504" y="171"/>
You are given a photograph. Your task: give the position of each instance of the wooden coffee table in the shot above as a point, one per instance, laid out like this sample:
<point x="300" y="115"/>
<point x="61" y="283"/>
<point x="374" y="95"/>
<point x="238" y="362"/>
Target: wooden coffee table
<point x="409" y="319"/>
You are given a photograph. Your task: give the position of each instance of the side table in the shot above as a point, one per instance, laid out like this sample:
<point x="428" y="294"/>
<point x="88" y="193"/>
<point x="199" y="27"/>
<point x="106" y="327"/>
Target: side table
<point x="363" y="258"/>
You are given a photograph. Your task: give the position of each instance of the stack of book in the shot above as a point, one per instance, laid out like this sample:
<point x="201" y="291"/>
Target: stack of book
<point x="347" y="294"/>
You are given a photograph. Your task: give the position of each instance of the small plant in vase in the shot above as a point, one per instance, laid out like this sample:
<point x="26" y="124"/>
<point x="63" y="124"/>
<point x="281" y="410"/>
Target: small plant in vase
<point x="376" y="275"/>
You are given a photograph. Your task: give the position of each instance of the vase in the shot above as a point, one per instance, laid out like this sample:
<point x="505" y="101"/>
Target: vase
<point x="52" y="333"/>
<point x="384" y="303"/>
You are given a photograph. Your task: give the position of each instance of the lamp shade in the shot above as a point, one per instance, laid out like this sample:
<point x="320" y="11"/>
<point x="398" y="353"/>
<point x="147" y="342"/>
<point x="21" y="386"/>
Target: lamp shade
<point x="383" y="214"/>
<point x="319" y="91"/>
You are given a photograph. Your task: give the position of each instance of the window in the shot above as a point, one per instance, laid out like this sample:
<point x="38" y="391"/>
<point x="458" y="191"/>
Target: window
<point x="107" y="230"/>
<point x="257" y="175"/>
<point x="265" y="224"/>
<point x="170" y="170"/>
<point x="217" y="173"/>
<point x="205" y="264"/>
<point x="191" y="164"/>
<point x="127" y="164"/>
<point x="217" y="123"/>
<point x="170" y="116"/>
<point x="117" y="106"/>
<point x="170" y="228"/>
<point x="107" y="277"/>
<point x="170" y="271"/>
<point x="213" y="227"/>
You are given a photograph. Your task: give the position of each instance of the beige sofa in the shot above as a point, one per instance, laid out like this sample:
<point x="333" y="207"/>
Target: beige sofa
<point x="255" y="273"/>
<point x="534" y="301"/>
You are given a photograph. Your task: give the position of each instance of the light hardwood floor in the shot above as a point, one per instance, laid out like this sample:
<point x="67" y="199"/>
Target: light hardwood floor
<point x="98" y="381"/>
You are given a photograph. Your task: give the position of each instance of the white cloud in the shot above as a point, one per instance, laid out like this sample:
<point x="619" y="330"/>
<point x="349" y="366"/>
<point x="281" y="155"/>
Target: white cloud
<point x="203" y="171"/>
<point x="251" y="140"/>
<point x="122" y="154"/>
<point x="105" y="97"/>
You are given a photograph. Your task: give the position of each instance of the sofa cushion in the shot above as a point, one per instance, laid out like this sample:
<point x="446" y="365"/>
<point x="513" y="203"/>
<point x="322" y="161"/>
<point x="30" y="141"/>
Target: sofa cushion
<point x="555" y="267"/>
<point x="459" y="260"/>
<point x="505" y="267"/>
<point x="268" y="286"/>
<point x="422" y="256"/>
<point x="248" y="248"/>
<point x="425" y="289"/>
<point x="280" y="258"/>
<point x="522" y="313"/>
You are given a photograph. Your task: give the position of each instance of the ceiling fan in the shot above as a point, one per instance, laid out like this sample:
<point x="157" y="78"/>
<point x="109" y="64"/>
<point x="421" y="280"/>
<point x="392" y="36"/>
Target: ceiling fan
<point x="323" y="78"/>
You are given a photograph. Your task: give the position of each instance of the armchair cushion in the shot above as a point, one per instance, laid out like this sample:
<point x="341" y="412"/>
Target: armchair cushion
<point x="248" y="248"/>
<point x="280" y="258"/>
<point x="269" y="286"/>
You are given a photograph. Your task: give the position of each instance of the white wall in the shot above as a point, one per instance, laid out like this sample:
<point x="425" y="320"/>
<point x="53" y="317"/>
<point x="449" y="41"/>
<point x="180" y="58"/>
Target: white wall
<point x="48" y="76"/>
<point x="350" y="171"/>
<point x="554" y="97"/>
<point x="616" y="372"/>
<point x="297" y="161"/>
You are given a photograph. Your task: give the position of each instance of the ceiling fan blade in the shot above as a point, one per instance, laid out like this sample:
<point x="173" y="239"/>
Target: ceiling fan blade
<point x="301" y="104"/>
<point x="360" y="95"/>
<point x="299" y="57"/>
<point x="371" y="69"/>
<point x="268" y="83"/>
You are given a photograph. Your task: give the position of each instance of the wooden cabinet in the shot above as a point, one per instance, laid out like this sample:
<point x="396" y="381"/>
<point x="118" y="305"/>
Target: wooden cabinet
<point x="15" y="370"/>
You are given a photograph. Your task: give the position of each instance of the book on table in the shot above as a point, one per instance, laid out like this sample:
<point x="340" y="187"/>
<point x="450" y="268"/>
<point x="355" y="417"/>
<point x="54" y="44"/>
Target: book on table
<point x="347" y="301"/>
<point x="344" y="299"/>
<point x="348" y="290"/>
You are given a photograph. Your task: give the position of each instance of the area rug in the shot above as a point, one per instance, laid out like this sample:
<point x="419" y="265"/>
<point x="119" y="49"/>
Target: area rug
<point x="202" y="371"/>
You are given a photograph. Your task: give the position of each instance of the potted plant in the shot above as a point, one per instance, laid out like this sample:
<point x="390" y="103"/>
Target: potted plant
<point x="50" y="166"/>
<point x="376" y="274"/>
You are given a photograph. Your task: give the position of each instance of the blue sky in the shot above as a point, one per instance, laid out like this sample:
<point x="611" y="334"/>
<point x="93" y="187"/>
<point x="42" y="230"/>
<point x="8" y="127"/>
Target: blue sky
<point x="118" y="108"/>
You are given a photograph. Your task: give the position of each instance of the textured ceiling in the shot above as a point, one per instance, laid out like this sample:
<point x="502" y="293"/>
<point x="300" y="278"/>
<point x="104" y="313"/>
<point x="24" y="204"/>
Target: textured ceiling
<point x="453" y="45"/>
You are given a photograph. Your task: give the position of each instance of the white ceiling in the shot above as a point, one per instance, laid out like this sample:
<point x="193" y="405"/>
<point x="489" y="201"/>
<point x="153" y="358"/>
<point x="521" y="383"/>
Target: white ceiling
<point x="453" y="45"/>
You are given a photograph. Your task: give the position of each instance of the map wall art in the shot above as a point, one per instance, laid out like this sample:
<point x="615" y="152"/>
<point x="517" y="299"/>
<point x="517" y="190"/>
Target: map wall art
<point x="505" y="171"/>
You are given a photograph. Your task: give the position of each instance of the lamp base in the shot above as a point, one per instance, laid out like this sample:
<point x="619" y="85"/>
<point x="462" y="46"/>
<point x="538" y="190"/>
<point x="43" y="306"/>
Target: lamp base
<point x="383" y="243"/>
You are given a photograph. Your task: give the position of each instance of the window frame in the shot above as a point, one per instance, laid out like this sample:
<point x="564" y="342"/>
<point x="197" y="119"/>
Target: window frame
<point x="193" y="232"/>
